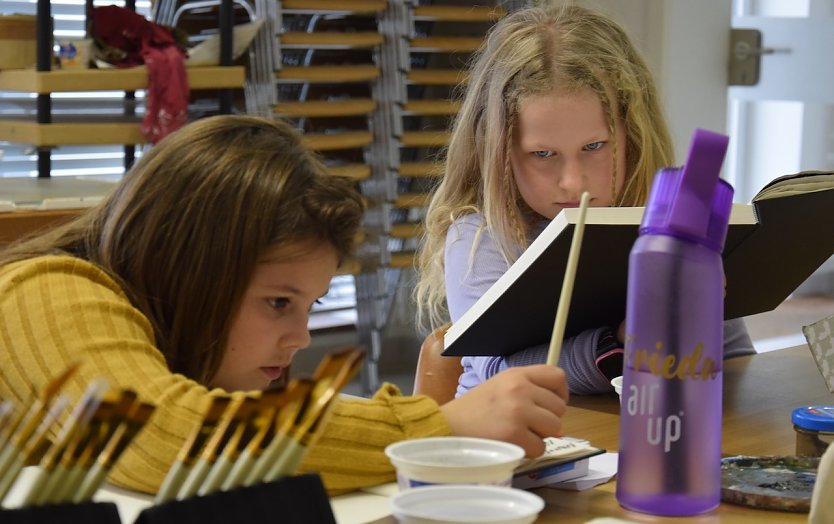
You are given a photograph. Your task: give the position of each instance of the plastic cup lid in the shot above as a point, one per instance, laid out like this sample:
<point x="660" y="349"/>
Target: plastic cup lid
<point x="454" y="452"/>
<point x="818" y="418"/>
<point x="467" y="504"/>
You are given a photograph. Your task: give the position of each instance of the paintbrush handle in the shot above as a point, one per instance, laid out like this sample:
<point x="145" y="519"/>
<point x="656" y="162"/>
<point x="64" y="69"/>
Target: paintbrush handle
<point x="267" y="458"/>
<point x="10" y="474"/>
<point x="219" y="470"/>
<point x="47" y="494"/>
<point x="90" y="484"/>
<point x="194" y="480"/>
<point x="171" y="485"/>
<point x="240" y="471"/>
<point x="557" y="336"/>
<point x="36" y="486"/>
<point x="7" y="455"/>
<point x="67" y="489"/>
<point x="288" y="461"/>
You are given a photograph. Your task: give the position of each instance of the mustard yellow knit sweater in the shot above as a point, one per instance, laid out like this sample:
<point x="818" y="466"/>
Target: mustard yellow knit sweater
<point x="56" y="309"/>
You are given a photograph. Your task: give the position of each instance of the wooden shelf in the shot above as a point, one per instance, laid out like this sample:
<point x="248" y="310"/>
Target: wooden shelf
<point x="132" y="79"/>
<point x="70" y="133"/>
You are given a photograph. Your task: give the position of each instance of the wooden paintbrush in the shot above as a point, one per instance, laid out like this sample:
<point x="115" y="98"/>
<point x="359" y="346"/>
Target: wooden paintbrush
<point x="296" y="398"/>
<point x="94" y="445"/>
<point x="238" y="410"/>
<point x="55" y="485"/>
<point x="330" y="379"/>
<point x="31" y="446"/>
<point x="116" y="445"/>
<point x="32" y="417"/>
<point x="79" y="418"/>
<point x="6" y="421"/>
<point x="191" y="449"/>
<point x="567" y="285"/>
<point x="246" y="428"/>
<point x="267" y="423"/>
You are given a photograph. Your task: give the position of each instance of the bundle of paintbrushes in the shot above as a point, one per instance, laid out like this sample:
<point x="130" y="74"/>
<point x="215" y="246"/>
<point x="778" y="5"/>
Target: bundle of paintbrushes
<point x="247" y="440"/>
<point x="73" y="465"/>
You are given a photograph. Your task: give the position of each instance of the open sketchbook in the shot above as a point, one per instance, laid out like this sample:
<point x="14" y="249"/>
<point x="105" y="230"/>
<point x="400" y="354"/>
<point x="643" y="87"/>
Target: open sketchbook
<point x="772" y="246"/>
<point x="564" y="459"/>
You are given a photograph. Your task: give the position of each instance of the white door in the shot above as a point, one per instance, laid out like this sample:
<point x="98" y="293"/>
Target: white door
<point x="784" y="123"/>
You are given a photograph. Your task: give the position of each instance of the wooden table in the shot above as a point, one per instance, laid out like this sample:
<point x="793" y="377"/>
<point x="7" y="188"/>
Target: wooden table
<point x="760" y="392"/>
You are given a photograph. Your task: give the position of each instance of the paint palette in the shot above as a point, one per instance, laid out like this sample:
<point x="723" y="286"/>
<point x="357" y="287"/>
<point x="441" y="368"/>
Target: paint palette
<point x="775" y="483"/>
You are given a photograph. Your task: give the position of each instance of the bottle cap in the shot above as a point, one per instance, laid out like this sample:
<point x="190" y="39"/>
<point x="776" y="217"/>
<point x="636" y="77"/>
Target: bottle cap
<point x="817" y="418"/>
<point x="692" y="202"/>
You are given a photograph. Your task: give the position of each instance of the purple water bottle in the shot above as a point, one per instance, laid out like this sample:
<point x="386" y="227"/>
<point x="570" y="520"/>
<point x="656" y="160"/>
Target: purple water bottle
<point x="670" y="418"/>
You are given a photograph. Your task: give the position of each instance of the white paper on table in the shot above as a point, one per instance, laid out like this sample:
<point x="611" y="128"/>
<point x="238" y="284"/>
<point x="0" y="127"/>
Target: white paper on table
<point x="601" y="469"/>
<point x="820" y="337"/>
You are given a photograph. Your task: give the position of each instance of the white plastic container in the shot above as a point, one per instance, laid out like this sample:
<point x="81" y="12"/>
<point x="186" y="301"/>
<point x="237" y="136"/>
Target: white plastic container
<point x="617" y="382"/>
<point x="454" y="460"/>
<point x="466" y="505"/>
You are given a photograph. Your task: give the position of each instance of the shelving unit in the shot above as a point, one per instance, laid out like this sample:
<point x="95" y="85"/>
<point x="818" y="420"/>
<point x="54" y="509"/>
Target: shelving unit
<point x="89" y="130"/>
<point x="45" y="132"/>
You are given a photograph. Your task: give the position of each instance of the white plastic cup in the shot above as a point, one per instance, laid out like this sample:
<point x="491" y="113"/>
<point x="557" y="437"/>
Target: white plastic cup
<point x="617" y="382"/>
<point x="466" y="505"/>
<point x="454" y="460"/>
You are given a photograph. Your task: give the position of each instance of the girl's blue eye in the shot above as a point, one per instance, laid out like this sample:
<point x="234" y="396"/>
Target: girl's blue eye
<point x="593" y="146"/>
<point x="543" y="154"/>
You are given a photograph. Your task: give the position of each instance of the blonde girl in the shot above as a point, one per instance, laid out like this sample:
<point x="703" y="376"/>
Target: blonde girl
<point x="558" y="102"/>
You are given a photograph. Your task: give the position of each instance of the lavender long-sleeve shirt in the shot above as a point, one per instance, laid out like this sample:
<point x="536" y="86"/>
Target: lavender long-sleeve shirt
<point x="468" y="277"/>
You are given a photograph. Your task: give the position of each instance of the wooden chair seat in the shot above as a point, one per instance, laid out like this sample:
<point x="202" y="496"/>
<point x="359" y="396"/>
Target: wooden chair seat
<point x="338" y="6"/>
<point x="334" y="40"/>
<point x="445" y="44"/>
<point x="327" y="74"/>
<point x="424" y="139"/>
<point x="334" y="141"/>
<point x="421" y="169"/>
<point x="352" y="171"/>
<point x="436" y="77"/>
<point x="452" y="13"/>
<point x="326" y="108"/>
<point x="405" y="200"/>
<point x="437" y="376"/>
<point x="406" y="230"/>
<point x="431" y="107"/>
<point x="402" y="260"/>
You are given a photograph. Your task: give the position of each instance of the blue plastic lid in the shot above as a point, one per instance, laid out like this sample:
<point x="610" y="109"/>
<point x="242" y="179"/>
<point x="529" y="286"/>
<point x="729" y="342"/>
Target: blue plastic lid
<point x="818" y="418"/>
